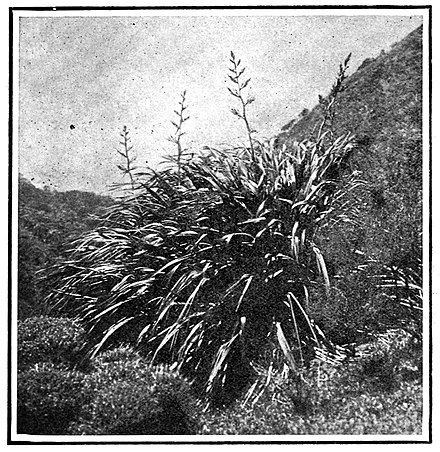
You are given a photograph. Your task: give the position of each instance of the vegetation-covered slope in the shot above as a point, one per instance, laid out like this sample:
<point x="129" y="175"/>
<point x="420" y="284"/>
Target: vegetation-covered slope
<point x="381" y="104"/>
<point x="47" y="220"/>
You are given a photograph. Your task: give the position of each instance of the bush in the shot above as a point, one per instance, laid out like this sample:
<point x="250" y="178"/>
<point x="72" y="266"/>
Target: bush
<point x="134" y="398"/>
<point x="398" y="412"/>
<point x="355" y="308"/>
<point x="49" y="397"/>
<point x="48" y="339"/>
<point x="123" y="395"/>
<point x="392" y="358"/>
<point x="375" y="391"/>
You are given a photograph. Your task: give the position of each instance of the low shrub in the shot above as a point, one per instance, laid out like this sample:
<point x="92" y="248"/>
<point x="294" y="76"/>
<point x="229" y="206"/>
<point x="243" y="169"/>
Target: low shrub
<point x="52" y="340"/>
<point x="354" y="309"/>
<point x="391" y="358"/>
<point x="380" y="413"/>
<point x="49" y="397"/>
<point x="378" y="367"/>
<point x="376" y="391"/>
<point x="134" y="398"/>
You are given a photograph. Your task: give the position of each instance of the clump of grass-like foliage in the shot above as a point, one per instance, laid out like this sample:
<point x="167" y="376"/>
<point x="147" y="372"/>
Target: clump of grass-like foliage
<point x="213" y="272"/>
<point x="210" y="266"/>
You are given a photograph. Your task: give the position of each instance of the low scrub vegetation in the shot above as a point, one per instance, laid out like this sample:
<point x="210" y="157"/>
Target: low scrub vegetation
<point x="118" y="393"/>
<point x="395" y="413"/>
<point x="376" y="391"/>
<point x="50" y="340"/>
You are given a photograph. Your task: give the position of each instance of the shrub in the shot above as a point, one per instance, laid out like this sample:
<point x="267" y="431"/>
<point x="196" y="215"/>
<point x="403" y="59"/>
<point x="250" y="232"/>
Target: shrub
<point x="378" y="370"/>
<point x="49" y="397"/>
<point x="391" y="358"/>
<point x="370" y="393"/>
<point x="134" y="398"/>
<point x="346" y="314"/>
<point x="121" y="354"/>
<point x="48" y="339"/>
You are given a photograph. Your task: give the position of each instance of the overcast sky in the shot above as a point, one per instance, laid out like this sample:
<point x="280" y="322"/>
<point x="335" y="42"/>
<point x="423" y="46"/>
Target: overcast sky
<point x="82" y="79"/>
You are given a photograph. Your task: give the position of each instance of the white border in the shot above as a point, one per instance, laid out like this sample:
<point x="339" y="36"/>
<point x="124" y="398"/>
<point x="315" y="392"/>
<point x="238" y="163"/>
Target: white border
<point x="225" y="12"/>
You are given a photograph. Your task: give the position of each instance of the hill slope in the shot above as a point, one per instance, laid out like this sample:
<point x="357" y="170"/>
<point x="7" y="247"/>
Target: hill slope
<point x="381" y="103"/>
<point x="46" y="222"/>
<point x="382" y="106"/>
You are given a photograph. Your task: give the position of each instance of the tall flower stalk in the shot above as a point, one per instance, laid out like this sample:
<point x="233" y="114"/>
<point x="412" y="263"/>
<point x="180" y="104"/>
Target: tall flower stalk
<point x="236" y="72"/>
<point x="328" y="104"/>
<point x="127" y="154"/>
<point x="177" y="137"/>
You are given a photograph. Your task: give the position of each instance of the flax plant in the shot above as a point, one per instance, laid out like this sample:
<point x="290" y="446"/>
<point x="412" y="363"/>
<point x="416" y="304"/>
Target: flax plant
<point x="213" y="274"/>
<point x="209" y="267"/>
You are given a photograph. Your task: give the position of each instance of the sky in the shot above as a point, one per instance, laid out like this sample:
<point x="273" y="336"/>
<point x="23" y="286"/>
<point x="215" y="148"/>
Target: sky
<point x="82" y="79"/>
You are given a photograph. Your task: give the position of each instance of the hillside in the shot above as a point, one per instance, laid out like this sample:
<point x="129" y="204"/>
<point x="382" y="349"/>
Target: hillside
<point x="381" y="105"/>
<point x="47" y="220"/>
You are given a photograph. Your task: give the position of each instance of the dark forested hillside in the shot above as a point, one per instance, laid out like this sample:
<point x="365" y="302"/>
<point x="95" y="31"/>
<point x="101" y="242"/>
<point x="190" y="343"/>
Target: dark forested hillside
<point x="47" y="220"/>
<point x="382" y="105"/>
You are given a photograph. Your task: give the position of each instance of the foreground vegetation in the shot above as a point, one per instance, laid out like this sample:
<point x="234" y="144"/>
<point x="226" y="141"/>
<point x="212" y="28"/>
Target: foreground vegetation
<point x="377" y="391"/>
<point x="233" y="291"/>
